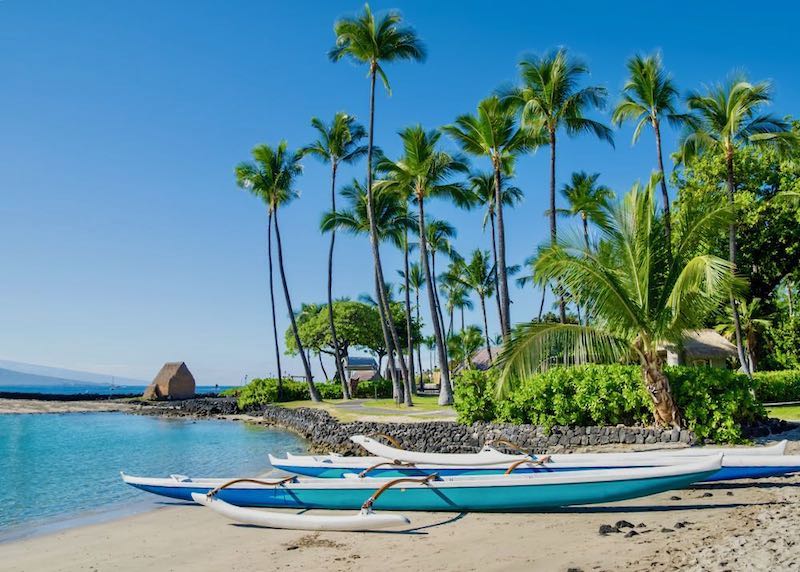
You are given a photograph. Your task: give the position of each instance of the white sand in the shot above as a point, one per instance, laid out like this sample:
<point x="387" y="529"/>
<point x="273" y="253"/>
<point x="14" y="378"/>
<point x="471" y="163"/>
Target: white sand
<point x="755" y="528"/>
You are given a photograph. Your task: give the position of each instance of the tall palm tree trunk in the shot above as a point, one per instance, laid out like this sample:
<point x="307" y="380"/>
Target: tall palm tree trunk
<point x="562" y="307"/>
<point x="486" y="328"/>
<point x="322" y="365"/>
<point x="445" y="389"/>
<point x="272" y="306"/>
<point x="737" y="326"/>
<point x="383" y="306"/>
<point x="312" y="389"/>
<point x="408" y="382"/>
<point x="390" y="363"/>
<point x="502" y="292"/>
<point x="439" y="313"/>
<point x="664" y="193"/>
<point x="419" y="346"/>
<point x="494" y="262"/>
<point x="337" y="355"/>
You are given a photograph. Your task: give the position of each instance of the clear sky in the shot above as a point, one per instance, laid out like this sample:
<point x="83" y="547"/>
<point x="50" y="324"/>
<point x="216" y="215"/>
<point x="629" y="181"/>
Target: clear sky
<point x="124" y="242"/>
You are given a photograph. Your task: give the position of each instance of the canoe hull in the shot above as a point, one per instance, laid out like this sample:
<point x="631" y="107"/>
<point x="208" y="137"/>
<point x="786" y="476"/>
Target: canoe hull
<point x="332" y="472"/>
<point x="526" y="495"/>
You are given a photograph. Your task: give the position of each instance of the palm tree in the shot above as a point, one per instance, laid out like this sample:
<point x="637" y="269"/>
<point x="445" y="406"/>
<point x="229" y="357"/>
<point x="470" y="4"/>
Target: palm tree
<point x="493" y="133"/>
<point x="439" y="234"/>
<point x="482" y="185"/>
<point x="366" y="40"/>
<point x="753" y="322"/>
<point x="638" y="295"/>
<point x="587" y="200"/>
<point x="390" y="219"/>
<point x="649" y="95"/>
<point x="550" y="99"/>
<point x="424" y="172"/>
<point x="416" y="280"/>
<point x="339" y="142"/>
<point x="728" y="116"/>
<point x="464" y="344"/>
<point x="478" y="274"/>
<point x="457" y="298"/>
<point x="271" y="177"/>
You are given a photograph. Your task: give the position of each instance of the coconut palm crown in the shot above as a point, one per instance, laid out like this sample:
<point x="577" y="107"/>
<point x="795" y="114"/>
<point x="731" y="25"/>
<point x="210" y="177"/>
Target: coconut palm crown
<point x="638" y="296"/>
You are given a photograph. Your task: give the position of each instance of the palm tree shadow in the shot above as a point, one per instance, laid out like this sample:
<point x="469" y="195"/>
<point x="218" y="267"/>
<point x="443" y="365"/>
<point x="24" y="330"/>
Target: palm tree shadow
<point x="745" y="485"/>
<point x="651" y="508"/>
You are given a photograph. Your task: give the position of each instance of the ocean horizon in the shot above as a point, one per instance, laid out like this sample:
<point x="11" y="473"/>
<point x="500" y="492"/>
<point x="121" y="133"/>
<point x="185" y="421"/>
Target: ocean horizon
<point x="94" y="388"/>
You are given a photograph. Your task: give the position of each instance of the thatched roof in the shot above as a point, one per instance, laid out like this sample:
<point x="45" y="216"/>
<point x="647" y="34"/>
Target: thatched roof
<point x="174" y="381"/>
<point x="171" y="370"/>
<point x="703" y="344"/>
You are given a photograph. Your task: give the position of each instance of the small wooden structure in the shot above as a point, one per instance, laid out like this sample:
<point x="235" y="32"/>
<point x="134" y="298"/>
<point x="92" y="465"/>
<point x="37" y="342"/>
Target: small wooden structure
<point x="174" y="381"/>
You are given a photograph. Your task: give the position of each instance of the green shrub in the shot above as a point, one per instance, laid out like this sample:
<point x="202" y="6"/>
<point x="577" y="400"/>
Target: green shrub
<point x="587" y="395"/>
<point x="473" y="394"/>
<point x="714" y="402"/>
<point x="263" y="391"/>
<point x="776" y="386"/>
<point x="379" y="388"/>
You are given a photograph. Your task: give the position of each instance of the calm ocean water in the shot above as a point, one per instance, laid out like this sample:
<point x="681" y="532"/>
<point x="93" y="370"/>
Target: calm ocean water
<point x="78" y="388"/>
<point x="56" y="467"/>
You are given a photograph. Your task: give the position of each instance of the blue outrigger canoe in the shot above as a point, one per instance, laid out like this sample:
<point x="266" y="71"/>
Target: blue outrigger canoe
<point x="492" y="493"/>
<point x="737" y="463"/>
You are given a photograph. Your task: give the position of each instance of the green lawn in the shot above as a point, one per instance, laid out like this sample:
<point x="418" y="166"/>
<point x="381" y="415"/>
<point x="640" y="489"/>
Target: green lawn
<point x="787" y="412"/>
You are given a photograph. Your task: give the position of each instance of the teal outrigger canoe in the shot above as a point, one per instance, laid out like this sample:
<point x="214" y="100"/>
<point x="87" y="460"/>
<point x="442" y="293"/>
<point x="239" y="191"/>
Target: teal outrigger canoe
<point x="495" y="493"/>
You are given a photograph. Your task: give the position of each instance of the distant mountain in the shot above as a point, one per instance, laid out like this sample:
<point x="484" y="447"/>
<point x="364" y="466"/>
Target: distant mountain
<point x="16" y="373"/>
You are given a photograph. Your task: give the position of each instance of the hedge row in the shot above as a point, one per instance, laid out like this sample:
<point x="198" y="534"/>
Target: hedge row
<point x="777" y="386"/>
<point x="263" y="391"/>
<point x="714" y="402"/>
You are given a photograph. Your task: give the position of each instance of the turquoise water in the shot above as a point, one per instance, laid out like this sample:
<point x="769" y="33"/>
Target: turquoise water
<point x="55" y="467"/>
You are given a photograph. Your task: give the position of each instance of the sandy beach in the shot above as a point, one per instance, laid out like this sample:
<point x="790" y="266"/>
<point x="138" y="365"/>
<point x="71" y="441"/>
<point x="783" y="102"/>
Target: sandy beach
<point x="744" y="525"/>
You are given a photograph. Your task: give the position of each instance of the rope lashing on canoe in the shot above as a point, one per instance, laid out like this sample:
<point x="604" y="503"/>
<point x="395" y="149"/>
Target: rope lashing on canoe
<point x="516" y="464"/>
<point x="392" y="441"/>
<point x="510" y="445"/>
<point x="277" y="483"/>
<point x="386" y="486"/>
<point x="364" y="473"/>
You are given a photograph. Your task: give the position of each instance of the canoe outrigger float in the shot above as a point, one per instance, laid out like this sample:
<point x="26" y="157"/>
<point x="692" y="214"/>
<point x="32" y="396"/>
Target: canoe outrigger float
<point x="737" y="463"/>
<point x="492" y="493"/>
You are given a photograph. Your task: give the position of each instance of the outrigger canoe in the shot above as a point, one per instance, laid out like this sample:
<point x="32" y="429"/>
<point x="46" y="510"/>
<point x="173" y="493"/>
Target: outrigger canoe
<point x="491" y="456"/>
<point x="734" y="464"/>
<point x="494" y="493"/>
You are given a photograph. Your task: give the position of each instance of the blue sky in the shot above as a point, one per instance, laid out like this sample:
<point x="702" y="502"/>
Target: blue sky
<point x="124" y="242"/>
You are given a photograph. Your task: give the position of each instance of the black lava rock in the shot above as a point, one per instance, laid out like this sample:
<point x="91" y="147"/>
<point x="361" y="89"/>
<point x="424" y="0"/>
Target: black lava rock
<point x="607" y="529"/>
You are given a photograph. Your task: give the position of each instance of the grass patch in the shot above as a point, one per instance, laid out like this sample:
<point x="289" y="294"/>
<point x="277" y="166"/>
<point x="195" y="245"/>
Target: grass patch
<point x="785" y="412"/>
<point x="346" y="411"/>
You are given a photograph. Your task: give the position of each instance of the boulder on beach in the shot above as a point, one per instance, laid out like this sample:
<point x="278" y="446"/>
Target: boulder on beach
<point x="174" y="381"/>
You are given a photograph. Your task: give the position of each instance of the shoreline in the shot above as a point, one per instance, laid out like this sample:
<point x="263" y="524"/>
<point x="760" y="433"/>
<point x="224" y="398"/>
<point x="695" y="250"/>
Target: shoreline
<point x="737" y="526"/>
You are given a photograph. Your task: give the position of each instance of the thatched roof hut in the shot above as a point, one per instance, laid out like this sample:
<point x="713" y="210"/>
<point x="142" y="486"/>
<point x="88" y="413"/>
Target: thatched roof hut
<point x="174" y="381"/>
<point x="699" y="347"/>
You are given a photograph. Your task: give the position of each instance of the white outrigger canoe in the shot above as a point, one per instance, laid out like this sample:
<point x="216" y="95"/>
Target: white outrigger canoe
<point x="737" y="463"/>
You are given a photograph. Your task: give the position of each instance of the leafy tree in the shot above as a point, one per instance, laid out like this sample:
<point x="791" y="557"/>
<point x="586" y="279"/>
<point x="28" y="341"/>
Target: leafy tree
<point x="337" y="143"/>
<point x="423" y="172"/>
<point x="271" y="177"/>
<point x="724" y="119"/>
<point x="648" y="97"/>
<point x="367" y="40"/>
<point x="493" y="132"/>
<point x="638" y="295"/>
<point x="551" y="100"/>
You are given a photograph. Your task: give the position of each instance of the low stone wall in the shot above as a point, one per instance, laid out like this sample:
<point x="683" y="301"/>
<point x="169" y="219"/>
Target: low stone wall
<point x="326" y="434"/>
